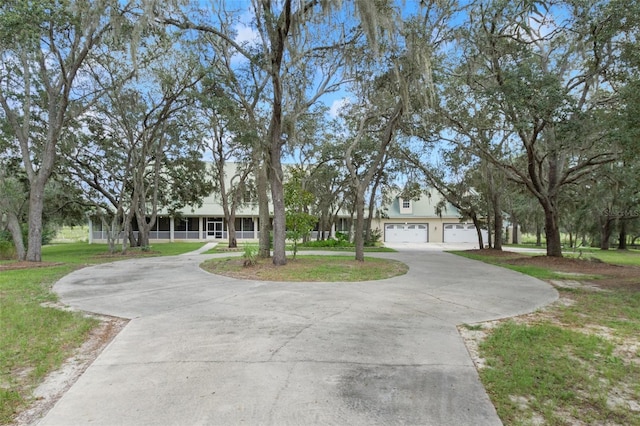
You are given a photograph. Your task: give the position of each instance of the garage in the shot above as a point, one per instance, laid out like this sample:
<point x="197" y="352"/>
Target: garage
<point x="406" y="233"/>
<point x="462" y="233"/>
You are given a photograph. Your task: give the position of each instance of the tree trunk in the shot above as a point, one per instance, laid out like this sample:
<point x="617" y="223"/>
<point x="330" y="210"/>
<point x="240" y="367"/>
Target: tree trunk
<point x="133" y="240"/>
<point x="497" y="221"/>
<point x="143" y="237"/>
<point x="371" y="206"/>
<point x="36" y="207"/>
<point x="583" y="241"/>
<point x="605" y="233"/>
<point x="13" y="224"/>
<point x="359" y="231"/>
<point x="489" y="234"/>
<point x="622" y="236"/>
<point x="277" y="195"/>
<point x="231" y="231"/>
<point x="144" y="228"/>
<point x="514" y="231"/>
<point x="538" y="235"/>
<point x="552" y="230"/>
<point x="476" y="223"/>
<point x="264" y="245"/>
<point x="230" y="218"/>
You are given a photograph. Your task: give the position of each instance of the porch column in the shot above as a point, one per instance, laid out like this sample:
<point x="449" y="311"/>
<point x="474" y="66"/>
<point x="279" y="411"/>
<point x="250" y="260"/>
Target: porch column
<point x="172" y="228"/>
<point x="200" y="227"/>
<point x="90" y="230"/>
<point x="255" y="228"/>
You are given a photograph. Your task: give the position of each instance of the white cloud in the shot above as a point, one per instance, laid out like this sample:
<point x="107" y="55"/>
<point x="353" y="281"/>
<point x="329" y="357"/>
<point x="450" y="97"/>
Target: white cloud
<point x="246" y="34"/>
<point x="337" y="105"/>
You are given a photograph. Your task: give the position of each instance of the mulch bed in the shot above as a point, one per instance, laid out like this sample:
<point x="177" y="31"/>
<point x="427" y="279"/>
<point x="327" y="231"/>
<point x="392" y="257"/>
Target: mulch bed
<point x="613" y="276"/>
<point x="26" y="265"/>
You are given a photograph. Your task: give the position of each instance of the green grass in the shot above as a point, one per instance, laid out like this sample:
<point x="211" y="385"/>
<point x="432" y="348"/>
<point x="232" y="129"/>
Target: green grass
<point x="568" y="365"/>
<point x="556" y="374"/>
<point x="534" y="271"/>
<point x="83" y="253"/>
<point x="617" y="311"/>
<point x="629" y="257"/>
<point x="615" y="257"/>
<point x="309" y="268"/>
<point x="175" y="248"/>
<point x="36" y="339"/>
<point x="525" y="245"/>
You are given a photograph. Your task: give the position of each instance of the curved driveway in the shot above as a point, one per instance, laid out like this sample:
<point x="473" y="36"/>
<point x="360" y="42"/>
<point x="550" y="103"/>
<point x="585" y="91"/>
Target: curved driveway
<point x="203" y="349"/>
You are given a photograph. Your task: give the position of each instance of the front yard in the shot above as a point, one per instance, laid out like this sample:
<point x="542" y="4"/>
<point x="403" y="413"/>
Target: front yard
<point x="574" y="362"/>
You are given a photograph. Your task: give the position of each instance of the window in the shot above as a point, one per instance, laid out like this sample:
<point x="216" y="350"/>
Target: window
<point x="244" y="224"/>
<point x="194" y="224"/>
<point x="406" y="204"/>
<point x="180" y="224"/>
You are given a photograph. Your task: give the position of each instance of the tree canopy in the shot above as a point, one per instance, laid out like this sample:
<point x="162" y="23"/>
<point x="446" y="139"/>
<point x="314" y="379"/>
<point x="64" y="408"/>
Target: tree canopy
<point x="495" y="104"/>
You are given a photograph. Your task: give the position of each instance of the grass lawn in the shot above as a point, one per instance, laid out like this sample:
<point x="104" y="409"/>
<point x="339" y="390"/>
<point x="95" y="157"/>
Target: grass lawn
<point x="309" y="268"/>
<point x="613" y="256"/>
<point x="576" y="361"/>
<point x="35" y="339"/>
<point x="534" y="271"/>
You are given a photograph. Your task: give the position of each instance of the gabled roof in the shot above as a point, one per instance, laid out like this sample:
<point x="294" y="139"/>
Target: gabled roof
<point x="424" y="207"/>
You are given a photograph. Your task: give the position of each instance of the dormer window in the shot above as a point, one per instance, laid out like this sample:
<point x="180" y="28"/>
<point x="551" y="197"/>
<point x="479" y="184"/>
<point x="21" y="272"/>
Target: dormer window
<point x="405" y="206"/>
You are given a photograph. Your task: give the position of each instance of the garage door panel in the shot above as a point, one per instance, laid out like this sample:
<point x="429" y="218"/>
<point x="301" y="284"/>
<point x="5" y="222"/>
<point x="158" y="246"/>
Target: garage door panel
<point x="461" y="233"/>
<point x="406" y="233"/>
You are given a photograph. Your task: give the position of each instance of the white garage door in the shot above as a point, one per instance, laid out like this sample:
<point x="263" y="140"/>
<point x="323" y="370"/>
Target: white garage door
<point x="462" y="233"/>
<point x="406" y="233"/>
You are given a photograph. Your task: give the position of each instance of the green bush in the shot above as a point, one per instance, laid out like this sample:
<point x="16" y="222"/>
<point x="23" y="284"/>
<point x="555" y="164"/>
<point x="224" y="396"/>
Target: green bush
<point x="374" y="237"/>
<point x="7" y="248"/>
<point x="250" y="255"/>
<point x="342" y="236"/>
<point x="328" y="243"/>
<point x="7" y="251"/>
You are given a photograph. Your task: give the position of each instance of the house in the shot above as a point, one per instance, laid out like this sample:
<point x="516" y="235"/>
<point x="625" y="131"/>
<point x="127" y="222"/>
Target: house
<point x="416" y="221"/>
<point x="207" y="221"/>
<point x="404" y="220"/>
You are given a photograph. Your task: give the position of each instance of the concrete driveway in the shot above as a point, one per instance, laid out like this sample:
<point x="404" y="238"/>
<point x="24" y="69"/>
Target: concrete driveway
<point x="208" y="350"/>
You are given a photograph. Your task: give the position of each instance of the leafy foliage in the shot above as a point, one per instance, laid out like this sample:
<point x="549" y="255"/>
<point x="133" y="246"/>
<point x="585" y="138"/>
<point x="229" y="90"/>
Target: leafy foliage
<point x="297" y="201"/>
<point x="250" y="255"/>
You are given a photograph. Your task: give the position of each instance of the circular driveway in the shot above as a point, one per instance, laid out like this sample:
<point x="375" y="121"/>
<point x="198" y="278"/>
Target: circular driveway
<point x="203" y="349"/>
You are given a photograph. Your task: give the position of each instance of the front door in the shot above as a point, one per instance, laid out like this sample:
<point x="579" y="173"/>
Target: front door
<point x="215" y="229"/>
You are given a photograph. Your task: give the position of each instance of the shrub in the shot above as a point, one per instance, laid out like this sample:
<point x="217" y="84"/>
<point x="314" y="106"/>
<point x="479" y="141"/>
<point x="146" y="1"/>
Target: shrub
<point x="342" y="236"/>
<point x="374" y="236"/>
<point x="328" y="243"/>
<point x="250" y="255"/>
<point x="7" y="251"/>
